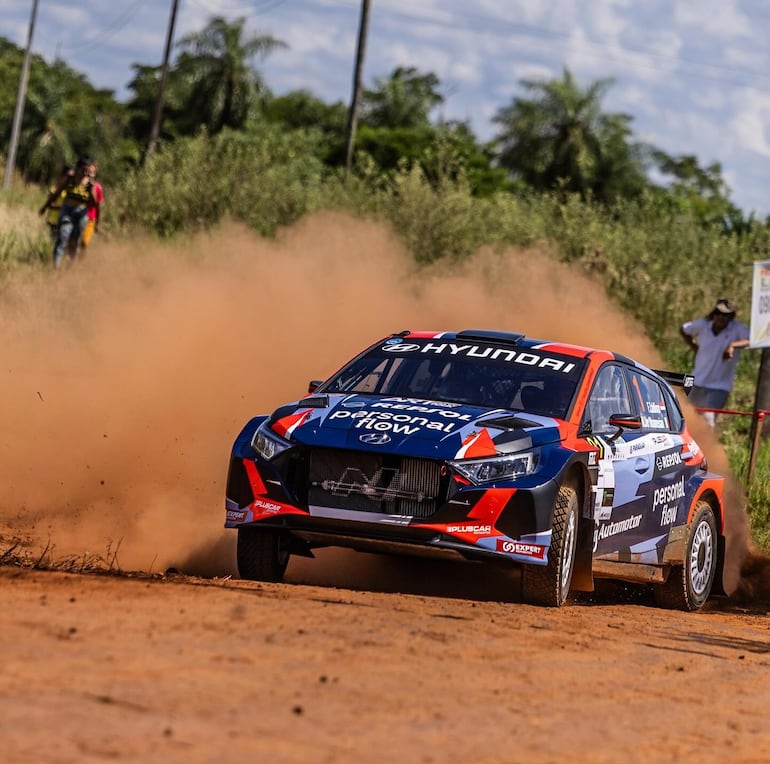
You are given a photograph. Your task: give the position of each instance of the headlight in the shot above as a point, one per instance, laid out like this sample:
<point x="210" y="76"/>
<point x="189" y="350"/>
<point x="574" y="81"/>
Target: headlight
<point x="504" y="467"/>
<point x="267" y="444"/>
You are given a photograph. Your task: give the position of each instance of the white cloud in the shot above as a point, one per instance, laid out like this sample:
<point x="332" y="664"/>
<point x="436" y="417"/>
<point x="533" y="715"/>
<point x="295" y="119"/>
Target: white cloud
<point x="750" y="123"/>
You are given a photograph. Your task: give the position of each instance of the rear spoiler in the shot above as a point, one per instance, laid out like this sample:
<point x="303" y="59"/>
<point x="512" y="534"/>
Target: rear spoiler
<point x="679" y="380"/>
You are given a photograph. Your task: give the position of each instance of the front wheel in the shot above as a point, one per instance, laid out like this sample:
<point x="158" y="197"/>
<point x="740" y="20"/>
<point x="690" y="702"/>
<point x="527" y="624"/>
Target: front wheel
<point x="688" y="586"/>
<point x="549" y="585"/>
<point x="263" y="554"/>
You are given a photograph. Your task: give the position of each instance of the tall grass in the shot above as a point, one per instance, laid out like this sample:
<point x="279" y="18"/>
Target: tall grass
<point x="24" y="238"/>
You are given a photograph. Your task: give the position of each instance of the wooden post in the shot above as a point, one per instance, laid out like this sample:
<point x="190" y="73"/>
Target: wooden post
<point x="761" y="395"/>
<point x="756" y="427"/>
<point x="350" y="137"/>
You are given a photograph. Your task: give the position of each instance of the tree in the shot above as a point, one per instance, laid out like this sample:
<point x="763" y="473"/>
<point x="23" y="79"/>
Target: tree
<point x="561" y="139"/>
<point x="300" y="109"/>
<point x="702" y="190"/>
<point x="403" y="100"/>
<point x="220" y="86"/>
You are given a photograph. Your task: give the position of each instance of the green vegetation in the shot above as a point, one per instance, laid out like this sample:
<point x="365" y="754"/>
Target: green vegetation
<point x="560" y="172"/>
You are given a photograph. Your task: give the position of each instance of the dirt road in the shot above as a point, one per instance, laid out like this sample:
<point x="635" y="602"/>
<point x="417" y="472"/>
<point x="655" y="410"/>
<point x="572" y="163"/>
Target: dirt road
<point x="178" y="669"/>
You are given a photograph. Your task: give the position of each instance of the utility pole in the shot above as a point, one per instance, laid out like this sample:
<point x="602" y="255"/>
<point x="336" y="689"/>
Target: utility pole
<point x="158" y="111"/>
<point x="10" y="162"/>
<point x="350" y="139"/>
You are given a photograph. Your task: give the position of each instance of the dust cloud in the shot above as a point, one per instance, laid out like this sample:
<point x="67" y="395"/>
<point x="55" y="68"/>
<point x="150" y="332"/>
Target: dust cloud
<point x="127" y="377"/>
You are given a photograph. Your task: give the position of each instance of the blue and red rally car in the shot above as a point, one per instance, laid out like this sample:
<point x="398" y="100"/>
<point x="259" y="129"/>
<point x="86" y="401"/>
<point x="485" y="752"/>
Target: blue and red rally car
<point x="570" y="462"/>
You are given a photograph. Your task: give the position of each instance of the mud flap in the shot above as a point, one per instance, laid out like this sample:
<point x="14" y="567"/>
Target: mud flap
<point x="582" y="575"/>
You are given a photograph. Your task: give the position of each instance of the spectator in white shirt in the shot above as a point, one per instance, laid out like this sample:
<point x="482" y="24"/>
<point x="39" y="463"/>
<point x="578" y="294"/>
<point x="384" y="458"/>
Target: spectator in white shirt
<point x="717" y="340"/>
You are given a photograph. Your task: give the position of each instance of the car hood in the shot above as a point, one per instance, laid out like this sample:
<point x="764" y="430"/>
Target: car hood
<point x="410" y="427"/>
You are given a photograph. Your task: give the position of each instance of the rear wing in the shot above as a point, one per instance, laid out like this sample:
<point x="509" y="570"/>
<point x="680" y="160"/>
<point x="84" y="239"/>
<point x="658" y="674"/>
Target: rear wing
<point x="678" y="380"/>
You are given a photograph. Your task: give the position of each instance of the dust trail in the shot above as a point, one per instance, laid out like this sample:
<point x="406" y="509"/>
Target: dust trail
<point x="127" y="378"/>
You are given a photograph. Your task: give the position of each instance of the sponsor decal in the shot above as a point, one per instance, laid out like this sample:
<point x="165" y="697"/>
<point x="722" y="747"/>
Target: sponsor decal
<point x="394" y="341"/>
<point x="668" y="515"/>
<point x="667" y="461"/>
<point x="406" y="404"/>
<point x="375" y="438"/>
<point x="268" y="506"/>
<point x="403" y="347"/>
<point x="478" y="530"/>
<point x="613" y="529"/>
<point x="400" y="423"/>
<point x="667" y="499"/>
<point x="236" y="515"/>
<point x="592" y="458"/>
<point x="668" y="493"/>
<point x="518" y="547"/>
<point x="525" y="358"/>
<point x="638" y="445"/>
<point x="606" y="449"/>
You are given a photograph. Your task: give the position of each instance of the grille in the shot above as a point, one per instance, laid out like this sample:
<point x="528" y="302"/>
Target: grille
<point x="374" y="483"/>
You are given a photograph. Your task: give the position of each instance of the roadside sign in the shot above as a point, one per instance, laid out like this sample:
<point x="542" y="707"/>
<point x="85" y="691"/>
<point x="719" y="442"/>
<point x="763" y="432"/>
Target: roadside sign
<point x="759" y="331"/>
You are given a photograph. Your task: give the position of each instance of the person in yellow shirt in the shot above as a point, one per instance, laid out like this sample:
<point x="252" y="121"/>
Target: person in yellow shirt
<point x="54" y="208"/>
<point x="73" y="216"/>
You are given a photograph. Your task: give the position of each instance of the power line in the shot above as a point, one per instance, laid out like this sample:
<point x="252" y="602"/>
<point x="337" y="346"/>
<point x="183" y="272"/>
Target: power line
<point x="478" y="23"/>
<point x="108" y="31"/>
<point x="253" y="7"/>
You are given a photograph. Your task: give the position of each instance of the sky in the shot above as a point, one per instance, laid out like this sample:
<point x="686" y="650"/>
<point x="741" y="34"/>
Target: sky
<point x="694" y="75"/>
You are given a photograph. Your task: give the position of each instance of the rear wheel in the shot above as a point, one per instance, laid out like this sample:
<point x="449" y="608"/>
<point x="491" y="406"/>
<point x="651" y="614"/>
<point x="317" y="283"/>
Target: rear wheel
<point x="263" y="554"/>
<point x="689" y="585"/>
<point x="549" y="585"/>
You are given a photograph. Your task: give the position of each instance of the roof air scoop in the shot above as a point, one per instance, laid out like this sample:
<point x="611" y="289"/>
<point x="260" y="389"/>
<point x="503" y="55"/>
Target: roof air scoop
<point x="511" y="338"/>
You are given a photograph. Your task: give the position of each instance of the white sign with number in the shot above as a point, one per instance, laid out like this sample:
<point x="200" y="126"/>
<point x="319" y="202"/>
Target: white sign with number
<point x="759" y="334"/>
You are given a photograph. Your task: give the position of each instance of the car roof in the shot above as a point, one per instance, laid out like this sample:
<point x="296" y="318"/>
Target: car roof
<point x="521" y="341"/>
<point x="516" y="339"/>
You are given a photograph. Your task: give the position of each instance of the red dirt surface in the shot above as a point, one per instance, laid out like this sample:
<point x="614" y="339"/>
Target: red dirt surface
<point x="126" y="380"/>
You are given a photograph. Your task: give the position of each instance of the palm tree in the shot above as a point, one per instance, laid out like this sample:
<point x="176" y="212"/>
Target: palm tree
<point x="560" y="138"/>
<point x="405" y="99"/>
<point x="214" y="72"/>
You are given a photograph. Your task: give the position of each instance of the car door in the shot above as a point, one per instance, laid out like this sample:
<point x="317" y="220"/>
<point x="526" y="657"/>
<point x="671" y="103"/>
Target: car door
<point x="665" y="484"/>
<point x="626" y="466"/>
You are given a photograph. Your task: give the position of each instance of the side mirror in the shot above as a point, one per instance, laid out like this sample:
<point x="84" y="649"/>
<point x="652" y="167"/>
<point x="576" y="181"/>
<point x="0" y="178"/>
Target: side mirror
<point x="625" y="422"/>
<point x="313" y="385"/>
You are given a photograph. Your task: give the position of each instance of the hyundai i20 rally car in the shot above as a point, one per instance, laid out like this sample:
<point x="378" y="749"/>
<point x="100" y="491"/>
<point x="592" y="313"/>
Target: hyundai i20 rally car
<point x="569" y="462"/>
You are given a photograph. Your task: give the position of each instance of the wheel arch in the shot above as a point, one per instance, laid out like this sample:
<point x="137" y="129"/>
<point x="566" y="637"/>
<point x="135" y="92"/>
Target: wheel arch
<point x="709" y="495"/>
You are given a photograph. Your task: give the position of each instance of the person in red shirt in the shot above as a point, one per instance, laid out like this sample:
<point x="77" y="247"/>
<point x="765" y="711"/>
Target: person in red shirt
<point x="94" y="209"/>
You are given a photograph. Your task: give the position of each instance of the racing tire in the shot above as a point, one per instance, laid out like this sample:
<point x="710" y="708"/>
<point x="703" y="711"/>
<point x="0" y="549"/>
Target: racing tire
<point x="688" y="586"/>
<point x="549" y="584"/>
<point x="262" y="554"/>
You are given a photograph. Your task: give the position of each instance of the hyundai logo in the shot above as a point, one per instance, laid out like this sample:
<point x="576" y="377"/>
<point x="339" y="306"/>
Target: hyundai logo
<point x="375" y="438"/>
<point x="404" y="347"/>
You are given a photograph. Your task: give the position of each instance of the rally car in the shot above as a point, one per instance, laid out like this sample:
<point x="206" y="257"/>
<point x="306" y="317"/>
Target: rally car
<point x="569" y="462"/>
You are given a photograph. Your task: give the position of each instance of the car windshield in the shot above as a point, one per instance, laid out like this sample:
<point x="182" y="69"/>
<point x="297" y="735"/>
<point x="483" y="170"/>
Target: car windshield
<point x="495" y="376"/>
